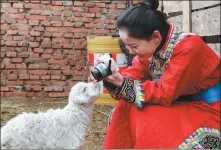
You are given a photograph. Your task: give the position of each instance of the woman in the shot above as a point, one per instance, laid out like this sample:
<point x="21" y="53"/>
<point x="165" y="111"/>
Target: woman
<point x="171" y="91"/>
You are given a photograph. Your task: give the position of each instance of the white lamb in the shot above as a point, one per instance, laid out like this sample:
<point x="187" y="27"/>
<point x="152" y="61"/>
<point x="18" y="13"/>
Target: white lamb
<point x="55" y="129"/>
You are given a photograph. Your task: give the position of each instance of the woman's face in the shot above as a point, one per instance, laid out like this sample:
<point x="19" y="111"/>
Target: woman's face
<point x="141" y="47"/>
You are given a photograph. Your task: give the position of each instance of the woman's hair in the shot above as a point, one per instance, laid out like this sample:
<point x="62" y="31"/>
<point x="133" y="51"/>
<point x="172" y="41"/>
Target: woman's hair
<point x="142" y="20"/>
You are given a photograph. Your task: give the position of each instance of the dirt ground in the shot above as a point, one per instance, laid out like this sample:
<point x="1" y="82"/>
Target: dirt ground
<point x="11" y="107"/>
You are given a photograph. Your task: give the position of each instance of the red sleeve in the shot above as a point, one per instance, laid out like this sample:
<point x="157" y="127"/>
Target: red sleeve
<point x="138" y="71"/>
<point x="184" y="71"/>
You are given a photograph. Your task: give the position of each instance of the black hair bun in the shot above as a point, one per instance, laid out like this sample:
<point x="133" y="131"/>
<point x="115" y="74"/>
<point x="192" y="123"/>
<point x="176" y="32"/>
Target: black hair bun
<point x="151" y="4"/>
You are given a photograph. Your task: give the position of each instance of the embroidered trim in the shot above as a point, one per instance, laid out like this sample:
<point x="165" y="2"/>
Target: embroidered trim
<point x="127" y="90"/>
<point x="112" y="89"/>
<point x="161" y="59"/>
<point x="133" y="92"/>
<point x="140" y="96"/>
<point x="206" y="138"/>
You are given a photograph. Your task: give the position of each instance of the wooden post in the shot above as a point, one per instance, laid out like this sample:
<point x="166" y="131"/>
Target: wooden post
<point x="187" y="16"/>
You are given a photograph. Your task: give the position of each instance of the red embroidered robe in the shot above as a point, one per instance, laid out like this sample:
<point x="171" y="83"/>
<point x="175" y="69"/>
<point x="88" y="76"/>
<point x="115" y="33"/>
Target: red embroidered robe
<point x="166" y="121"/>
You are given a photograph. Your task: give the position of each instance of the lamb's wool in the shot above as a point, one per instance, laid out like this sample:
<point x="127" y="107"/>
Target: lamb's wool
<point x="55" y="129"/>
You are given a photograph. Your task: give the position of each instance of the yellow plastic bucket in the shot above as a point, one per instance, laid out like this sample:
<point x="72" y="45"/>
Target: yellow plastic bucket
<point x="96" y="47"/>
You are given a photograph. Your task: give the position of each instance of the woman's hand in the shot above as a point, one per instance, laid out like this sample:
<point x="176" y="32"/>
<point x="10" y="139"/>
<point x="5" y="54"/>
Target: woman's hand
<point x="115" y="78"/>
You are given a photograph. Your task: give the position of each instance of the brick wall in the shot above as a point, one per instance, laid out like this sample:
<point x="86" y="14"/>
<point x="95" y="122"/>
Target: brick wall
<point x="43" y="43"/>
